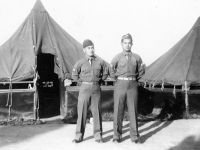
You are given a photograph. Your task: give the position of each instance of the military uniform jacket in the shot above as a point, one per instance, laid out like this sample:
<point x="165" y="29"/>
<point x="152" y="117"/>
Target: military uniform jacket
<point x="94" y="72"/>
<point x="127" y="64"/>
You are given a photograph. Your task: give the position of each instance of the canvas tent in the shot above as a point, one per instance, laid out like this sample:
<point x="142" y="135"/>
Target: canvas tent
<point x="178" y="67"/>
<point x="38" y="34"/>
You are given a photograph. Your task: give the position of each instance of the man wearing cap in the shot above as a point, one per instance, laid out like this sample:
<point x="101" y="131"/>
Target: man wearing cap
<point x="126" y="68"/>
<point x="89" y="71"/>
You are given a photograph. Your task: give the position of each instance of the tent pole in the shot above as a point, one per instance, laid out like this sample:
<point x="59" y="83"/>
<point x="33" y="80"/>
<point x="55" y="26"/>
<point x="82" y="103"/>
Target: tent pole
<point x="35" y="96"/>
<point x="38" y="121"/>
<point x="10" y="92"/>
<point x="38" y="104"/>
<point x="186" y="100"/>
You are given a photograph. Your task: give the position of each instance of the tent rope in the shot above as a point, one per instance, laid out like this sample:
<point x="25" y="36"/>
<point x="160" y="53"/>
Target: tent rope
<point x="37" y="105"/>
<point x="149" y="86"/>
<point x="9" y="98"/>
<point x="186" y="99"/>
<point x="174" y="91"/>
<point x="36" y="98"/>
<point x="153" y="85"/>
<point x="162" y="88"/>
<point x="145" y="85"/>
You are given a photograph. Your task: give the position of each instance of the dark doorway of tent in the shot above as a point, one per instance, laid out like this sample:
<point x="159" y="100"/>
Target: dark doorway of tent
<point x="48" y="86"/>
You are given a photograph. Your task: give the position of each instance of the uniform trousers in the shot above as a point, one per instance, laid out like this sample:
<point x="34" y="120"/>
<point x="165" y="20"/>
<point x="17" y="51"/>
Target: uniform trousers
<point x="89" y="95"/>
<point x="125" y="91"/>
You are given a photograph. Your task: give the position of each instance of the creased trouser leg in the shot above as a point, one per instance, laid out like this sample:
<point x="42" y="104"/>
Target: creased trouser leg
<point x="125" y="91"/>
<point x="89" y="94"/>
<point x="132" y="98"/>
<point x="119" y="99"/>
<point x="83" y="103"/>
<point x="96" y="112"/>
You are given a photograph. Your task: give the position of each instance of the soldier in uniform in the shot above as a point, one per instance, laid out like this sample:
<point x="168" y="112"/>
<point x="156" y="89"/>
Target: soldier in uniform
<point x="126" y="69"/>
<point x="89" y="71"/>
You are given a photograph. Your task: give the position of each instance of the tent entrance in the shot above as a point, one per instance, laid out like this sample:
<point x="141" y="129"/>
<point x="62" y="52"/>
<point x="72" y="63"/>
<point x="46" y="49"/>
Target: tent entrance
<point x="48" y="86"/>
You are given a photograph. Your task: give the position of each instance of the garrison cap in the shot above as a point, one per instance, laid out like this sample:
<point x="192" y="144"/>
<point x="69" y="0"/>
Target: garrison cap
<point x="87" y="42"/>
<point x="127" y="36"/>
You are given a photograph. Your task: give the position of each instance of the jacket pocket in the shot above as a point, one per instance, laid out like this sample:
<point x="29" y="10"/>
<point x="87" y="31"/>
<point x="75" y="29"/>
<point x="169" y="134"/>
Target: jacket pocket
<point x="121" y="64"/>
<point x="97" y="71"/>
<point x="121" y="68"/>
<point x="85" y="71"/>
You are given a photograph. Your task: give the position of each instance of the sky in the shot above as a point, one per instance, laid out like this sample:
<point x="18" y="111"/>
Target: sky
<point x="155" y="25"/>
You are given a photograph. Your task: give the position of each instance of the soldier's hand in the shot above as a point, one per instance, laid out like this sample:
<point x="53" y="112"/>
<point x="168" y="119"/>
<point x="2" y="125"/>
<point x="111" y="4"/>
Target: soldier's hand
<point x="67" y="82"/>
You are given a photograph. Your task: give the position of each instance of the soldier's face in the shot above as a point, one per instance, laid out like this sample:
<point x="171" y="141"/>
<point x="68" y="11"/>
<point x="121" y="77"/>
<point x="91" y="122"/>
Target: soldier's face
<point x="89" y="50"/>
<point x="126" y="44"/>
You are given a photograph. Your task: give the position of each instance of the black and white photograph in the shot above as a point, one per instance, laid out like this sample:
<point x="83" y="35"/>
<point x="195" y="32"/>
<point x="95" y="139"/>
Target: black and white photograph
<point x="100" y="75"/>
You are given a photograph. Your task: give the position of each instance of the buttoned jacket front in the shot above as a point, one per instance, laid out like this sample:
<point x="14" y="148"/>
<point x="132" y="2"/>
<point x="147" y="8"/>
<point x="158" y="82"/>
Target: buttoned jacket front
<point x="122" y="67"/>
<point x="94" y="72"/>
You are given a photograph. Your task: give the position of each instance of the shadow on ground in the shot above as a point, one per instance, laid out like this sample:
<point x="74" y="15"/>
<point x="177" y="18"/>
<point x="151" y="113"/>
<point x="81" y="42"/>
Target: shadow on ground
<point x="108" y="138"/>
<point x="151" y="133"/>
<point x="189" y="143"/>
<point x="143" y="138"/>
<point x="14" y="134"/>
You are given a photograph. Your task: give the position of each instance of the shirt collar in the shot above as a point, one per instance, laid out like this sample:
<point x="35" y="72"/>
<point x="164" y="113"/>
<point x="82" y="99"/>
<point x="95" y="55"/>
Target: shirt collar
<point x="127" y="53"/>
<point x="89" y="58"/>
